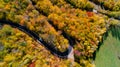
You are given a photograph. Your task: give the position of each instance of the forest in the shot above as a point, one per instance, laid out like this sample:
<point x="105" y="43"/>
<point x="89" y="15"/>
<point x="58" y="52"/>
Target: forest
<point x="81" y="24"/>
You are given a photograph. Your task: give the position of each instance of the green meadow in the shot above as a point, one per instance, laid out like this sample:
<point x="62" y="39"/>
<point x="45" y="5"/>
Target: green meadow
<point x="108" y="54"/>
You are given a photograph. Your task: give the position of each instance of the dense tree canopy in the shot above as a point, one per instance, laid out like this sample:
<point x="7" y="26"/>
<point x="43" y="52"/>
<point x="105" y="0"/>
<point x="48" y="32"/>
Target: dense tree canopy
<point x="83" y="21"/>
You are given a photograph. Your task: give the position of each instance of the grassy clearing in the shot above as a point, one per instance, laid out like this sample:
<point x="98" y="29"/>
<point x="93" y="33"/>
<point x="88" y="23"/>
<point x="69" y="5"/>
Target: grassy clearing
<point x="109" y="52"/>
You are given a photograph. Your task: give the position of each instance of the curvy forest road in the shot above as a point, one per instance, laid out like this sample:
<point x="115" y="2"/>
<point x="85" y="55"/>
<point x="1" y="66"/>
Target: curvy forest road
<point x="50" y="47"/>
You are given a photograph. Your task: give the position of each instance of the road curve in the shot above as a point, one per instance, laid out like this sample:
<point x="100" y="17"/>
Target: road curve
<point x="50" y="47"/>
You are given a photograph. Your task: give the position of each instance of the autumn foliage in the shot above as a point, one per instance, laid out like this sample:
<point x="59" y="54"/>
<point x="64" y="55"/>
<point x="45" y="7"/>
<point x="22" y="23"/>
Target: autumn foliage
<point x="50" y="19"/>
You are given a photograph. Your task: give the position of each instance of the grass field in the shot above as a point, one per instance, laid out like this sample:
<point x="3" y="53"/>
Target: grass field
<point x="109" y="52"/>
